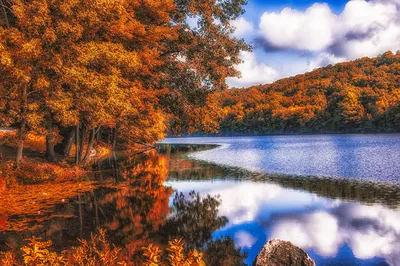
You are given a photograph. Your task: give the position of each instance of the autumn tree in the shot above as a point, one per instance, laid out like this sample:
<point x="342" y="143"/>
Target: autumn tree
<point x="132" y="68"/>
<point x="350" y="108"/>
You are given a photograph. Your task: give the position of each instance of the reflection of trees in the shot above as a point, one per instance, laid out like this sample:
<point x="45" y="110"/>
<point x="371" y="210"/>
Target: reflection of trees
<point x="134" y="211"/>
<point x="195" y="218"/>
<point x="140" y="203"/>
<point x="223" y="252"/>
<point x="182" y="168"/>
<point x="139" y="208"/>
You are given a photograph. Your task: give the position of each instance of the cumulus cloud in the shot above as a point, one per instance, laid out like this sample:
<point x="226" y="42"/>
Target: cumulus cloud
<point x="244" y="239"/>
<point x="364" y="28"/>
<point x="252" y="72"/>
<point x="243" y="27"/>
<point x="292" y="29"/>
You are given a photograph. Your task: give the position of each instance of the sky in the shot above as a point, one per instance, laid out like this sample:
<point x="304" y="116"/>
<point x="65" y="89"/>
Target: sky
<point x="291" y="37"/>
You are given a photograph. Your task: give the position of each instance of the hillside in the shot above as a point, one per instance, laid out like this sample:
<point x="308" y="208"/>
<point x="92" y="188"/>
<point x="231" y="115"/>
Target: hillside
<point x="358" y="96"/>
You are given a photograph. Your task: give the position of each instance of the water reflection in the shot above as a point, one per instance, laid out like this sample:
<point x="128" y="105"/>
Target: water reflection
<point x="131" y="201"/>
<point x="334" y="230"/>
<point x="365" y="157"/>
<point x="322" y="226"/>
<point x="369" y="231"/>
<point x="225" y="212"/>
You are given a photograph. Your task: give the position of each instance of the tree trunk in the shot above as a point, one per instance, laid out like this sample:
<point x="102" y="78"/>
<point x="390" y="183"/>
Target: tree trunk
<point x="77" y="148"/>
<point x="64" y="148"/>
<point x="115" y="138"/>
<point x="98" y="134"/>
<point x="22" y="128"/>
<point x="50" y="154"/>
<point x="89" y="147"/>
<point x="20" y="151"/>
<point x="20" y="147"/>
<point x="82" y="141"/>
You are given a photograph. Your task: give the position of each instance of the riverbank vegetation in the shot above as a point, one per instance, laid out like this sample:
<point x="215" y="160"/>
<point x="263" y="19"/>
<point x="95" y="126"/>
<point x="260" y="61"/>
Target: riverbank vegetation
<point x="358" y="96"/>
<point x="122" y="71"/>
<point x="98" y="251"/>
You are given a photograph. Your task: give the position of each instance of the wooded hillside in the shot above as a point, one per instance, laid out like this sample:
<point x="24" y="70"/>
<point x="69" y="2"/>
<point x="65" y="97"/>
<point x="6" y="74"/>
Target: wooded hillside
<point x="358" y="96"/>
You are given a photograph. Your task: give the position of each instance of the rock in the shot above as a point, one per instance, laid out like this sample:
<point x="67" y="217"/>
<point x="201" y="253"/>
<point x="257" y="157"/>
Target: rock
<point x="282" y="253"/>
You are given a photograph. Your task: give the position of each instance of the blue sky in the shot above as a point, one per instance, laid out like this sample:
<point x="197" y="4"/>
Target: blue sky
<point x="292" y="37"/>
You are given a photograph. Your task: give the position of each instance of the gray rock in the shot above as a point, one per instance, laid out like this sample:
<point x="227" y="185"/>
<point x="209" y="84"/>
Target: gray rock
<point x="282" y="253"/>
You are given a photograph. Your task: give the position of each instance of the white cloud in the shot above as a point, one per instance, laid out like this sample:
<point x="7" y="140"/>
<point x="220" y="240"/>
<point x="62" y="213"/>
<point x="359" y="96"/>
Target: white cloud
<point x="253" y="72"/>
<point x="368" y="28"/>
<point x="362" y="29"/>
<point x="243" y="27"/>
<point x="324" y="59"/>
<point x="291" y="29"/>
<point x="244" y="240"/>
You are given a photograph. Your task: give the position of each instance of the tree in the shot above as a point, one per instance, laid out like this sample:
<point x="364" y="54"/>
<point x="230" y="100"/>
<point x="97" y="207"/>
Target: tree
<point x="130" y="66"/>
<point x="350" y="108"/>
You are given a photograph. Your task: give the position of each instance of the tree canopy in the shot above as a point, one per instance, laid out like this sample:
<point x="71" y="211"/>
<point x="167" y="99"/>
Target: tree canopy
<point x="137" y="68"/>
<point x="358" y="96"/>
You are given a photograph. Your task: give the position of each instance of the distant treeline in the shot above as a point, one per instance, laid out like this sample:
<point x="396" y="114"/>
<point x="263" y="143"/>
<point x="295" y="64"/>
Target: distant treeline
<point x="358" y="96"/>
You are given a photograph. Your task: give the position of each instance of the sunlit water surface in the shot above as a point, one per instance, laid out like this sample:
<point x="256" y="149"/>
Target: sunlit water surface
<point x="371" y="157"/>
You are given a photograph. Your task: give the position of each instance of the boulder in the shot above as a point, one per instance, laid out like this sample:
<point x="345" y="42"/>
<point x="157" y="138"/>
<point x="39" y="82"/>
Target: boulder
<point x="282" y="253"/>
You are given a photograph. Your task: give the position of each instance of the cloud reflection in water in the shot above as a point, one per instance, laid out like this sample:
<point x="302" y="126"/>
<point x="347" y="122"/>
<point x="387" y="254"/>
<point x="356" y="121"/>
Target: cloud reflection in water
<point x="320" y="225"/>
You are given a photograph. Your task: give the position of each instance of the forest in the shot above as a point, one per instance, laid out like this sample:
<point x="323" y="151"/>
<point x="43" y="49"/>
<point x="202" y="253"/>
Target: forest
<point x="361" y="96"/>
<point x="125" y="72"/>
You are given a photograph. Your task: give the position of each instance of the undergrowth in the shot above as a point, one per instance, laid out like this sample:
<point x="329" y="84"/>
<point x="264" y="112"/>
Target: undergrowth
<point x="98" y="251"/>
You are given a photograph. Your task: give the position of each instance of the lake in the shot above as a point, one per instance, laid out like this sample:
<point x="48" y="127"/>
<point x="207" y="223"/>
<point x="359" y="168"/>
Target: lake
<point x="371" y="157"/>
<point x="335" y="196"/>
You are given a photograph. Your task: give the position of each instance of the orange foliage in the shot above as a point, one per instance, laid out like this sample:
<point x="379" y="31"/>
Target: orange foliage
<point x="358" y="96"/>
<point x="113" y="64"/>
<point x="33" y="141"/>
<point x="98" y="251"/>
<point x="176" y="255"/>
<point x="34" y="171"/>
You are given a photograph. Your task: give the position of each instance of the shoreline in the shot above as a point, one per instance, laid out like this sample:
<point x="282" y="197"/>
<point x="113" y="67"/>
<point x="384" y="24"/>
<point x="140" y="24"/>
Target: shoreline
<point x="284" y="134"/>
<point x="354" y="189"/>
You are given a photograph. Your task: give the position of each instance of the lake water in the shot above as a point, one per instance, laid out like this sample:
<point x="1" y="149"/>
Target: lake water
<point x="366" y="157"/>
<point x="335" y="196"/>
<point x="338" y="198"/>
